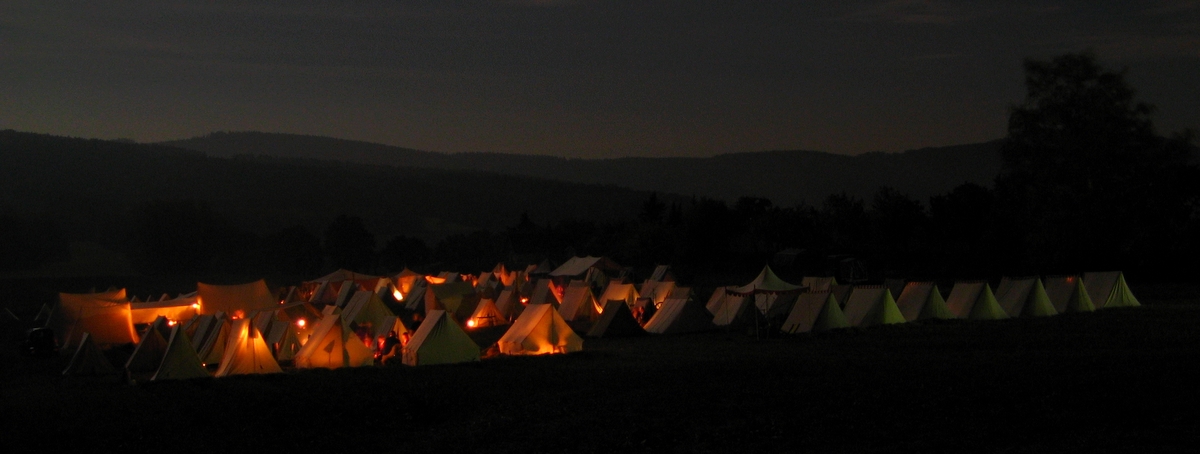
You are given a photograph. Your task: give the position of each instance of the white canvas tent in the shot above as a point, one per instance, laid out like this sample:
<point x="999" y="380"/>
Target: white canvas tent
<point x="439" y="340"/>
<point x="678" y="316"/>
<point x="814" y="312"/>
<point x="539" y="330"/>
<point x="247" y="352"/>
<point x="1024" y="297"/>
<point x="871" y="305"/>
<point x="1068" y="294"/>
<point x="922" y="301"/>
<point x="1109" y="289"/>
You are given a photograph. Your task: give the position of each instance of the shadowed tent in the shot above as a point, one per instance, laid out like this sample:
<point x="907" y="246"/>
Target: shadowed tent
<point x="717" y="299"/>
<point x="818" y="283"/>
<point x="390" y="324"/>
<point x="366" y="309"/>
<point x="679" y="316"/>
<point x="509" y="304"/>
<point x="148" y="354"/>
<point x="973" y="300"/>
<point x="179" y="361"/>
<point x="284" y="339"/>
<point x="212" y="346"/>
<point x="415" y="299"/>
<point x="656" y="291"/>
<point x="1109" y="289"/>
<point x="439" y="340"/>
<point x="616" y="320"/>
<point x="486" y="315"/>
<point x="814" y="312"/>
<point x="775" y="305"/>
<point x="539" y="331"/>
<point x="1024" y="297"/>
<point x="922" y="301"/>
<point x="544" y="292"/>
<point x="247" y="352"/>
<point x="871" y="305"/>
<point x="662" y="273"/>
<point x="89" y="360"/>
<point x="761" y="293"/>
<point x="579" y="304"/>
<point x="896" y="286"/>
<point x="105" y="315"/>
<point x="237" y="300"/>
<point x="450" y="297"/>
<point x="841" y="293"/>
<point x="1068" y="294"/>
<point x="734" y="310"/>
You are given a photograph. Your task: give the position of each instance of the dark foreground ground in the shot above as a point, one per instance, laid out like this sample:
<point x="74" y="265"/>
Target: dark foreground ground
<point x="1121" y="380"/>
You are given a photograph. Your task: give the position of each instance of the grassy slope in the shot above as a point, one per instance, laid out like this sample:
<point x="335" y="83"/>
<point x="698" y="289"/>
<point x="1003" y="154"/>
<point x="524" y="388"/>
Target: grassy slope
<point x="1113" y="380"/>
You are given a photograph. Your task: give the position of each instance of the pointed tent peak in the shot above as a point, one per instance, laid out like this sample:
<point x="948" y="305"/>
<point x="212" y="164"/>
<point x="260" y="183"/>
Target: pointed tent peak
<point x="180" y="360"/>
<point x="766" y="282"/>
<point x="577" y="266"/>
<point x="89" y="360"/>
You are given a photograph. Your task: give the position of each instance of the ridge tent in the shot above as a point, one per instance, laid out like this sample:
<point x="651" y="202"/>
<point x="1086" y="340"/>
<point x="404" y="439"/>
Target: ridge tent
<point x="486" y="315"/>
<point x="1068" y="294"/>
<point x="538" y="331"/>
<point x="105" y="315"/>
<point x="733" y="310"/>
<point x="579" y="304"/>
<point x="333" y="346"/>
<point x="814" y="312"/>
<point x="212" y="346"/>
<point x="179" y="361"/>
<point x="765" y="283"/>
<point x="439" y="340"/>
<point x="616" y="320"/>
<point x="620" y="291"/>
<point x="818" y="283"/>
<point x="973" y="300"/>
<point x="415" y="300"/>
<point x="450" y="296"/>
<point x="662" y="273"/>
<point x="922" y="301"/>
<point x="88" y="359"/>
<point x="679" y="316"/>
<point x="895" y="285"/>
<point x="871" y="305"/>
<point x="366" y="309"/>
<point x="148" y="354"/>
<point x="198" y="328"/>
<point x="841" y="293"/>
<point x="656" y="291"/>
<point x="1109" y="289"/>
<point x="347" y="290"/>
<point x="544" y="292"/>
<point x="390" y="324"/>
<point x="1024" y="297"/>
<point x="247" y="352"/>
<point x="237" y="300"/>
<point x="284" y="340"/>
<point x="509" y="304"/>
<point x="717" y="299"/>
<point x="777" y="305"/>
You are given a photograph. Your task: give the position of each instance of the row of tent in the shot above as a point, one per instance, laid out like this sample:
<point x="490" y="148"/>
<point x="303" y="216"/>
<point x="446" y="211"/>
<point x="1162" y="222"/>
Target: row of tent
<point x="832" y="306"/>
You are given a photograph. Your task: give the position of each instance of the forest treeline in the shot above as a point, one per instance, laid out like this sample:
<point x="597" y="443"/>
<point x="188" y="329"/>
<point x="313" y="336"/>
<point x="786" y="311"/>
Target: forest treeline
<point x="1086" y="184"/>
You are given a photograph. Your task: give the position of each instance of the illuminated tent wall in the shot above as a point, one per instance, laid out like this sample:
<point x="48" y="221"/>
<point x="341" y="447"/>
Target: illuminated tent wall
<point x="366" y="309"/>
<point x="620" y="291"/>
<point x="615" y="321"/>
<point x="679" y="316"/>
<point x="105" y="315"/>
<point x="1024" y="297"/>
<point x="814" y="312"/>
<point x="88" y="360"/>
<point x="818" y="283"/>
<point x="486" y="315"/>
<point x="871" y="305"/>
<point x="177" y="309"/>
<point x="922" y="301"/>
<point x="579" y="304"/>
<point x="247" y="352"/>
<point x="284" y="340"/>
<point x="179" y="361"/>
<point x="439" y="340"/>
<point x="243" y="299"/>
<point x="538" y="331"/>
<point x="407" y="279"/>
<point x="333" y="346"/>
<point x="1109" y="289"/>
<point x="148" y="354"/>
<point x="974" y="301"/>
<point x="1068" y="294"/>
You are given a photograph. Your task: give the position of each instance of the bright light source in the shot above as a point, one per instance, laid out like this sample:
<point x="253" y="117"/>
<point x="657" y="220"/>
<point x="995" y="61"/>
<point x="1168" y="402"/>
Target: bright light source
<point x="471" y="323"/>
<point x="396" y="293"/>
<point x="300" y="323"/>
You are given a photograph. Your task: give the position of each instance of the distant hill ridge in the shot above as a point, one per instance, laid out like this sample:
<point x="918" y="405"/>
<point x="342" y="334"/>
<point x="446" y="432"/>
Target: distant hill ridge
<point x="785" y="177"/>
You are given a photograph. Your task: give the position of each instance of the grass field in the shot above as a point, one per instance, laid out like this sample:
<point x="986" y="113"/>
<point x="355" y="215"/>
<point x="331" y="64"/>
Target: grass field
<point x="1119" y="380"/>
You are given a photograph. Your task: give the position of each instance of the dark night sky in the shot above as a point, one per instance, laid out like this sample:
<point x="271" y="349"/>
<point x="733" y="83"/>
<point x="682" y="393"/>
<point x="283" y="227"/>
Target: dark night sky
<point x="574" y="78"/>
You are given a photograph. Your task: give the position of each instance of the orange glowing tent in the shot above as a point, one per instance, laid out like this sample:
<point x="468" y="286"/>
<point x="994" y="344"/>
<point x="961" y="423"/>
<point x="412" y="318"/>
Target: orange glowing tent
<point x="237" y="300"/>
<point x="105" y="315"/>
<point x="247" y="352"/>
<point x="539" y="330"/>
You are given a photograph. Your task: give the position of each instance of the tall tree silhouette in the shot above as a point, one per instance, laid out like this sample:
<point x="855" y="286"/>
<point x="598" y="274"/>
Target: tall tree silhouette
<point x="1085" y="176"/>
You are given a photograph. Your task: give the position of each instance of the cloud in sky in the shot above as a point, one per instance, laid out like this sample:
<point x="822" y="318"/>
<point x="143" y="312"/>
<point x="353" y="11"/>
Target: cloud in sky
<point x="574" y="78"/>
